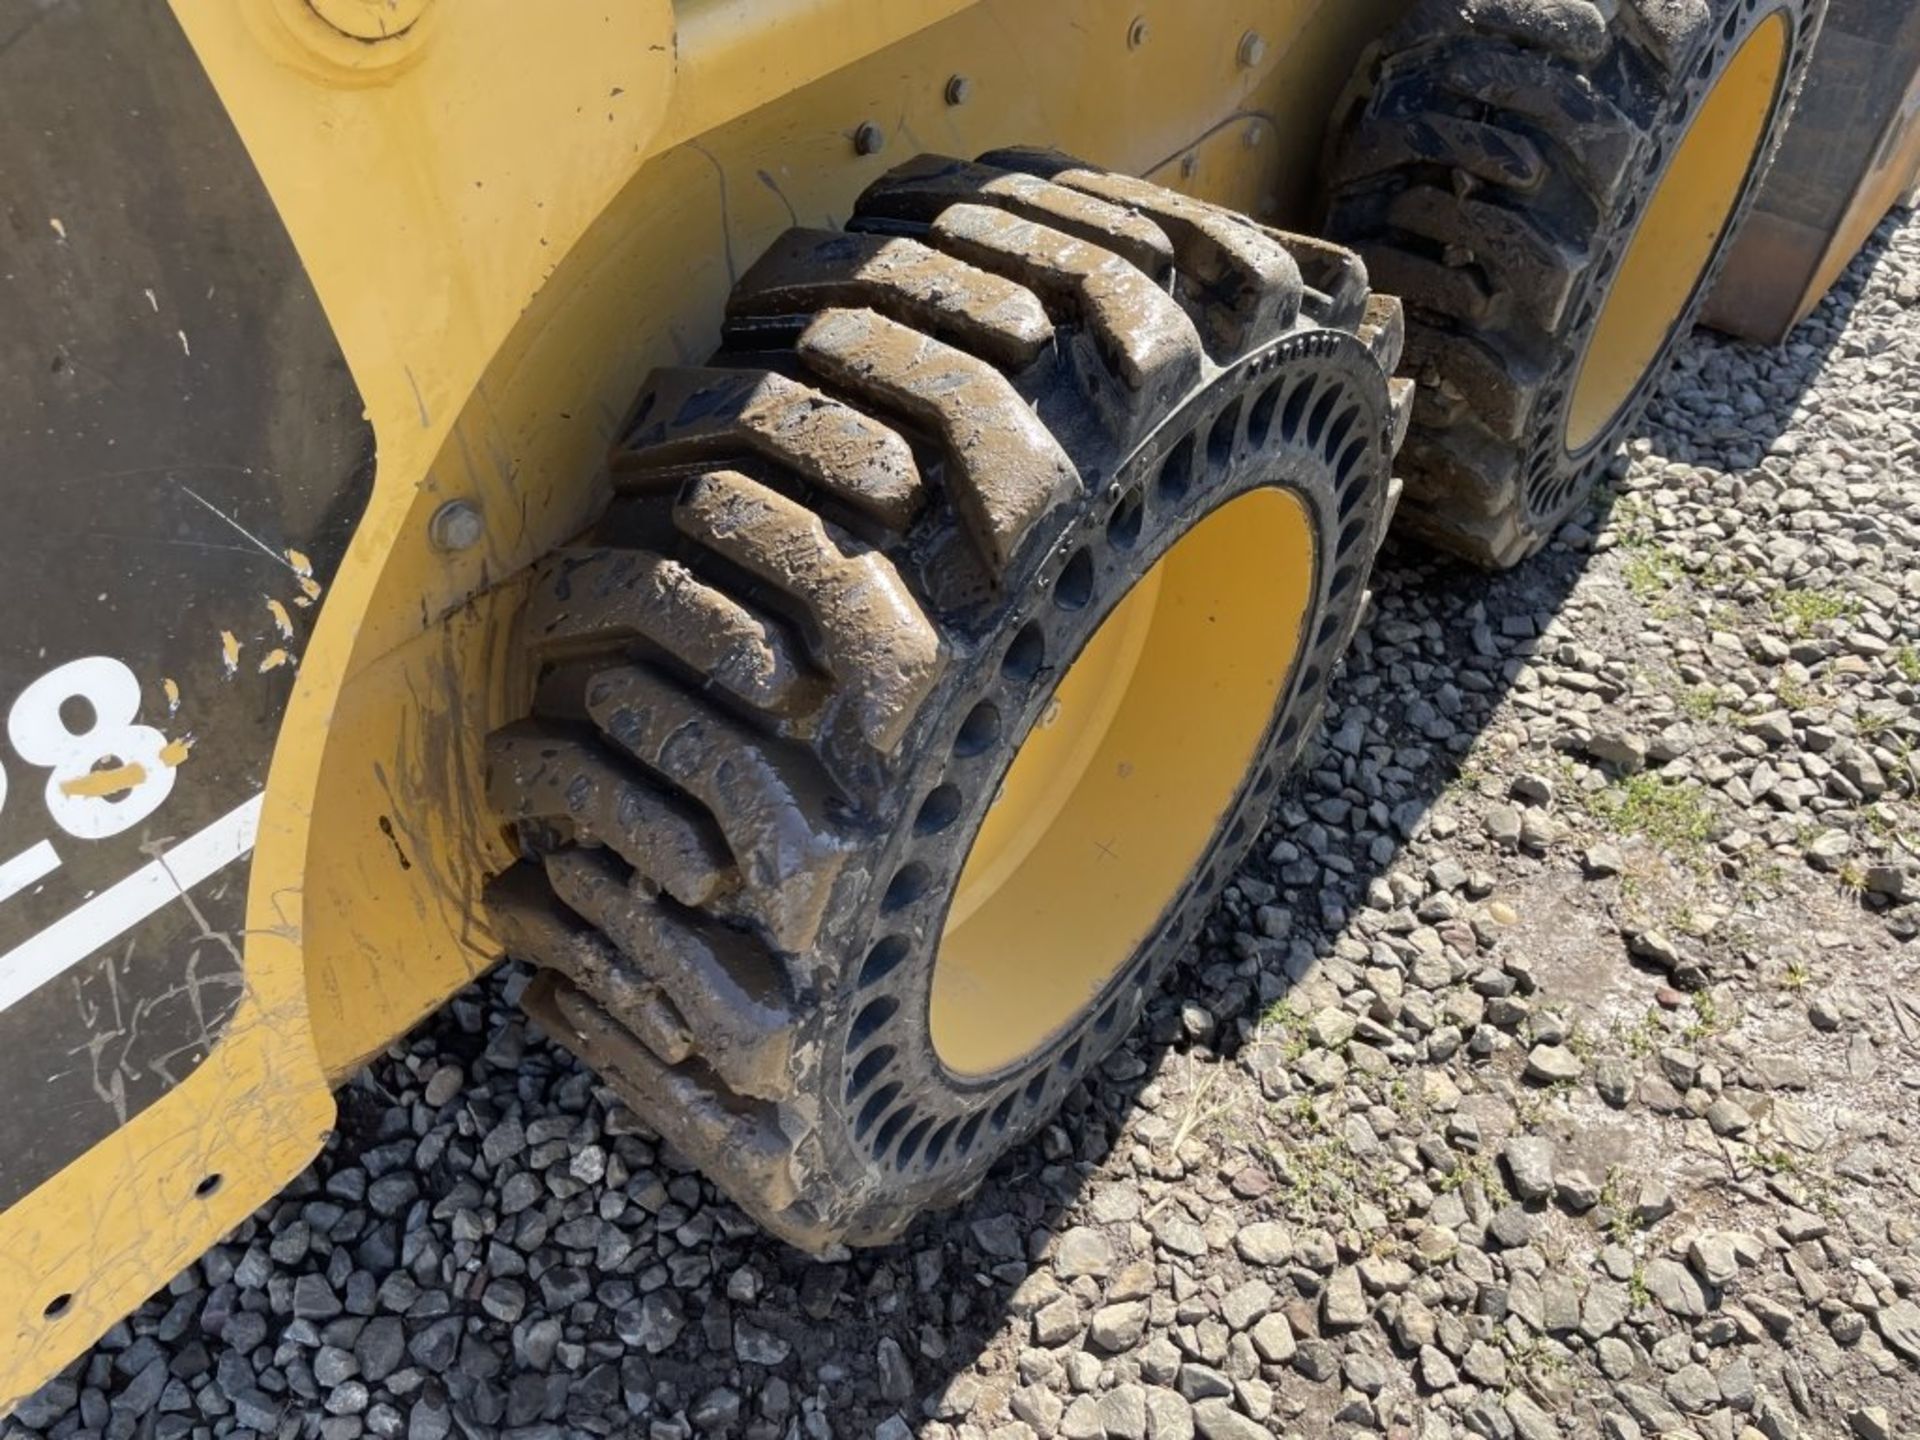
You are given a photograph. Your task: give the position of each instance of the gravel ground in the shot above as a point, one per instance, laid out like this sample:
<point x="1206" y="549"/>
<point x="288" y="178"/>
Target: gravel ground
<point x="1548" y="1072"/>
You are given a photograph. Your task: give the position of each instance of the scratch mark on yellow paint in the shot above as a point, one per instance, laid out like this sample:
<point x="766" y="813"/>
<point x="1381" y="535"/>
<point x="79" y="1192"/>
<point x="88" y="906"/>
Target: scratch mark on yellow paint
<point x="112" y="781"/>
<point x="172" y="687"/>
<point x="174" y="753"/>
<point x="230" y="651"/>
<point x="419" y="400"/>
<point x="282" y="621"/>
<point x="275" y="658"/>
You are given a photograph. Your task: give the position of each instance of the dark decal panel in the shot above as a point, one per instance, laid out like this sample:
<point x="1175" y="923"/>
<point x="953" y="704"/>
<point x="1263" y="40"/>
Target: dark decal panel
<point x="183" y="457"/>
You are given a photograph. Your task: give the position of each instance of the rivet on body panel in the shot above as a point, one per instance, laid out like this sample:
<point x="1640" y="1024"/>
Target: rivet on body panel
<point x="456" y="525"/>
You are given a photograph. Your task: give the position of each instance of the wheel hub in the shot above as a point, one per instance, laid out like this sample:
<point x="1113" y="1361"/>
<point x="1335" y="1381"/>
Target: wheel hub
<point x="1116" y="791"/>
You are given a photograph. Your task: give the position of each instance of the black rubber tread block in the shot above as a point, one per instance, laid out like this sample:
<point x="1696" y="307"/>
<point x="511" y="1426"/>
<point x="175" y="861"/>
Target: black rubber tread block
<point x="870" y="634"/>
<point x="920" y="190"/>
<point x="1383" y="329"/>
<point x="1587" y="132"/>
<point x="536" y="773"/>
<point x="1457" y="291"/>
<point x="1474" y="471"/>
<point x="594" y="598"/>
<point x="1138" y="329"/>
<point x="1496" y="387"/>
<point x="1249" y="284"/>
<point x="532" y="925"/>
<point x="1492" y="154"/>
<point x="804" y="271"/>
<point x="1575" y="30"/>
<point x="1335" y="282"/>
<point x="1004" y="468"/>
<point x="1668" y="30"/>
<point x="771" y="799"/>
<point x="1540" y="270"/>
<point x="738" y="1140"/>
<point x="722" y="983"/>
<point x="689" y="416"/>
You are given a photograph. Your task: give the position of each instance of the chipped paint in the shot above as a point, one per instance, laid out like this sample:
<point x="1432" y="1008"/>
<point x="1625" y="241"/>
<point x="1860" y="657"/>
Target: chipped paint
<point x="274" y="659"/>
<point x="230" y="652"/>
<point x="58" y="228"/>
<point x="303" y="569"/>
<point x="175" y="752"/>
<point x="116" y="780"/>
<point x="172" y="689"/>
<point x="282" y="621"/>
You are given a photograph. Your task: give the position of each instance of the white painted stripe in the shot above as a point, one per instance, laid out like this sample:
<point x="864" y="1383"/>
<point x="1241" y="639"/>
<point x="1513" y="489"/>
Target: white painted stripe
<point x="36" y="862"/>
<point x="114" y="911"/>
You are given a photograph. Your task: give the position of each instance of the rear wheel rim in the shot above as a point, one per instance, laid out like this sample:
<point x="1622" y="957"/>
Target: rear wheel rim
<point x="1118" y="790"/>
<point x="1679" y="233"/>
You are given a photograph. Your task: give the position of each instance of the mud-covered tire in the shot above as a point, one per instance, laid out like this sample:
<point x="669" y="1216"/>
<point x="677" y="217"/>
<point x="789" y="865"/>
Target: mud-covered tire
<point x="775" y="688"/>
<point x="1490" y="164"/>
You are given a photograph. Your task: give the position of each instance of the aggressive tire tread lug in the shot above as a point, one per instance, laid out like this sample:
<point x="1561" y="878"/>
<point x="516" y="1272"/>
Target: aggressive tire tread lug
<point x="1005" y="469"/>
<point x="770" y="799"/>
<point x="1249" y="286"/>
<point x="535" y="774"/>
<point x="882" y="652"/>
<point x="805" y="271"/>
<point x="923" y="188"/>
<point x="689" y="416"/>
<point x="585" y="599"/>
<point x="1138" y="331"/>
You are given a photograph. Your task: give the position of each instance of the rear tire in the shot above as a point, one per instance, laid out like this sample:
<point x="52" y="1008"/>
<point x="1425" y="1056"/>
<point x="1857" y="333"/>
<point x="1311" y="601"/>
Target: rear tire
<point x="778" y="686"/>
<point x="1492" y="165"/>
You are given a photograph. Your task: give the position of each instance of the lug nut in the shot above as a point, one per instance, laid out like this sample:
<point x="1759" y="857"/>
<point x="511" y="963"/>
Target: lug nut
<point x="1137" y="32"/>
<point x="1253" y="49"/>
<point x="869" y="139"/>
<point x="959" y="90"/>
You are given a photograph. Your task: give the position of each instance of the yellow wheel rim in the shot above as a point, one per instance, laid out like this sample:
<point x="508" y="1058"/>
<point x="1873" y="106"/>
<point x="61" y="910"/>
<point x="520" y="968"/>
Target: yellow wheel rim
<point x="1678" y="233"/>
<point x="1120" y="786"/>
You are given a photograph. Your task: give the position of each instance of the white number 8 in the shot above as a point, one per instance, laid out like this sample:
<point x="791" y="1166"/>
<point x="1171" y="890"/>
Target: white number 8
<point x="110" y="741"/>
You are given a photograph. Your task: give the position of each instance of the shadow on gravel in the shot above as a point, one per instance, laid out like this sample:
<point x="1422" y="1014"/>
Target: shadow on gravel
<point x="1740" y="424"/>
<point x="752" y="1338"/>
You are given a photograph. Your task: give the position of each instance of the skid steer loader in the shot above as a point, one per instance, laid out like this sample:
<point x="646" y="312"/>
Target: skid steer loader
<point x="818" y="525"/>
